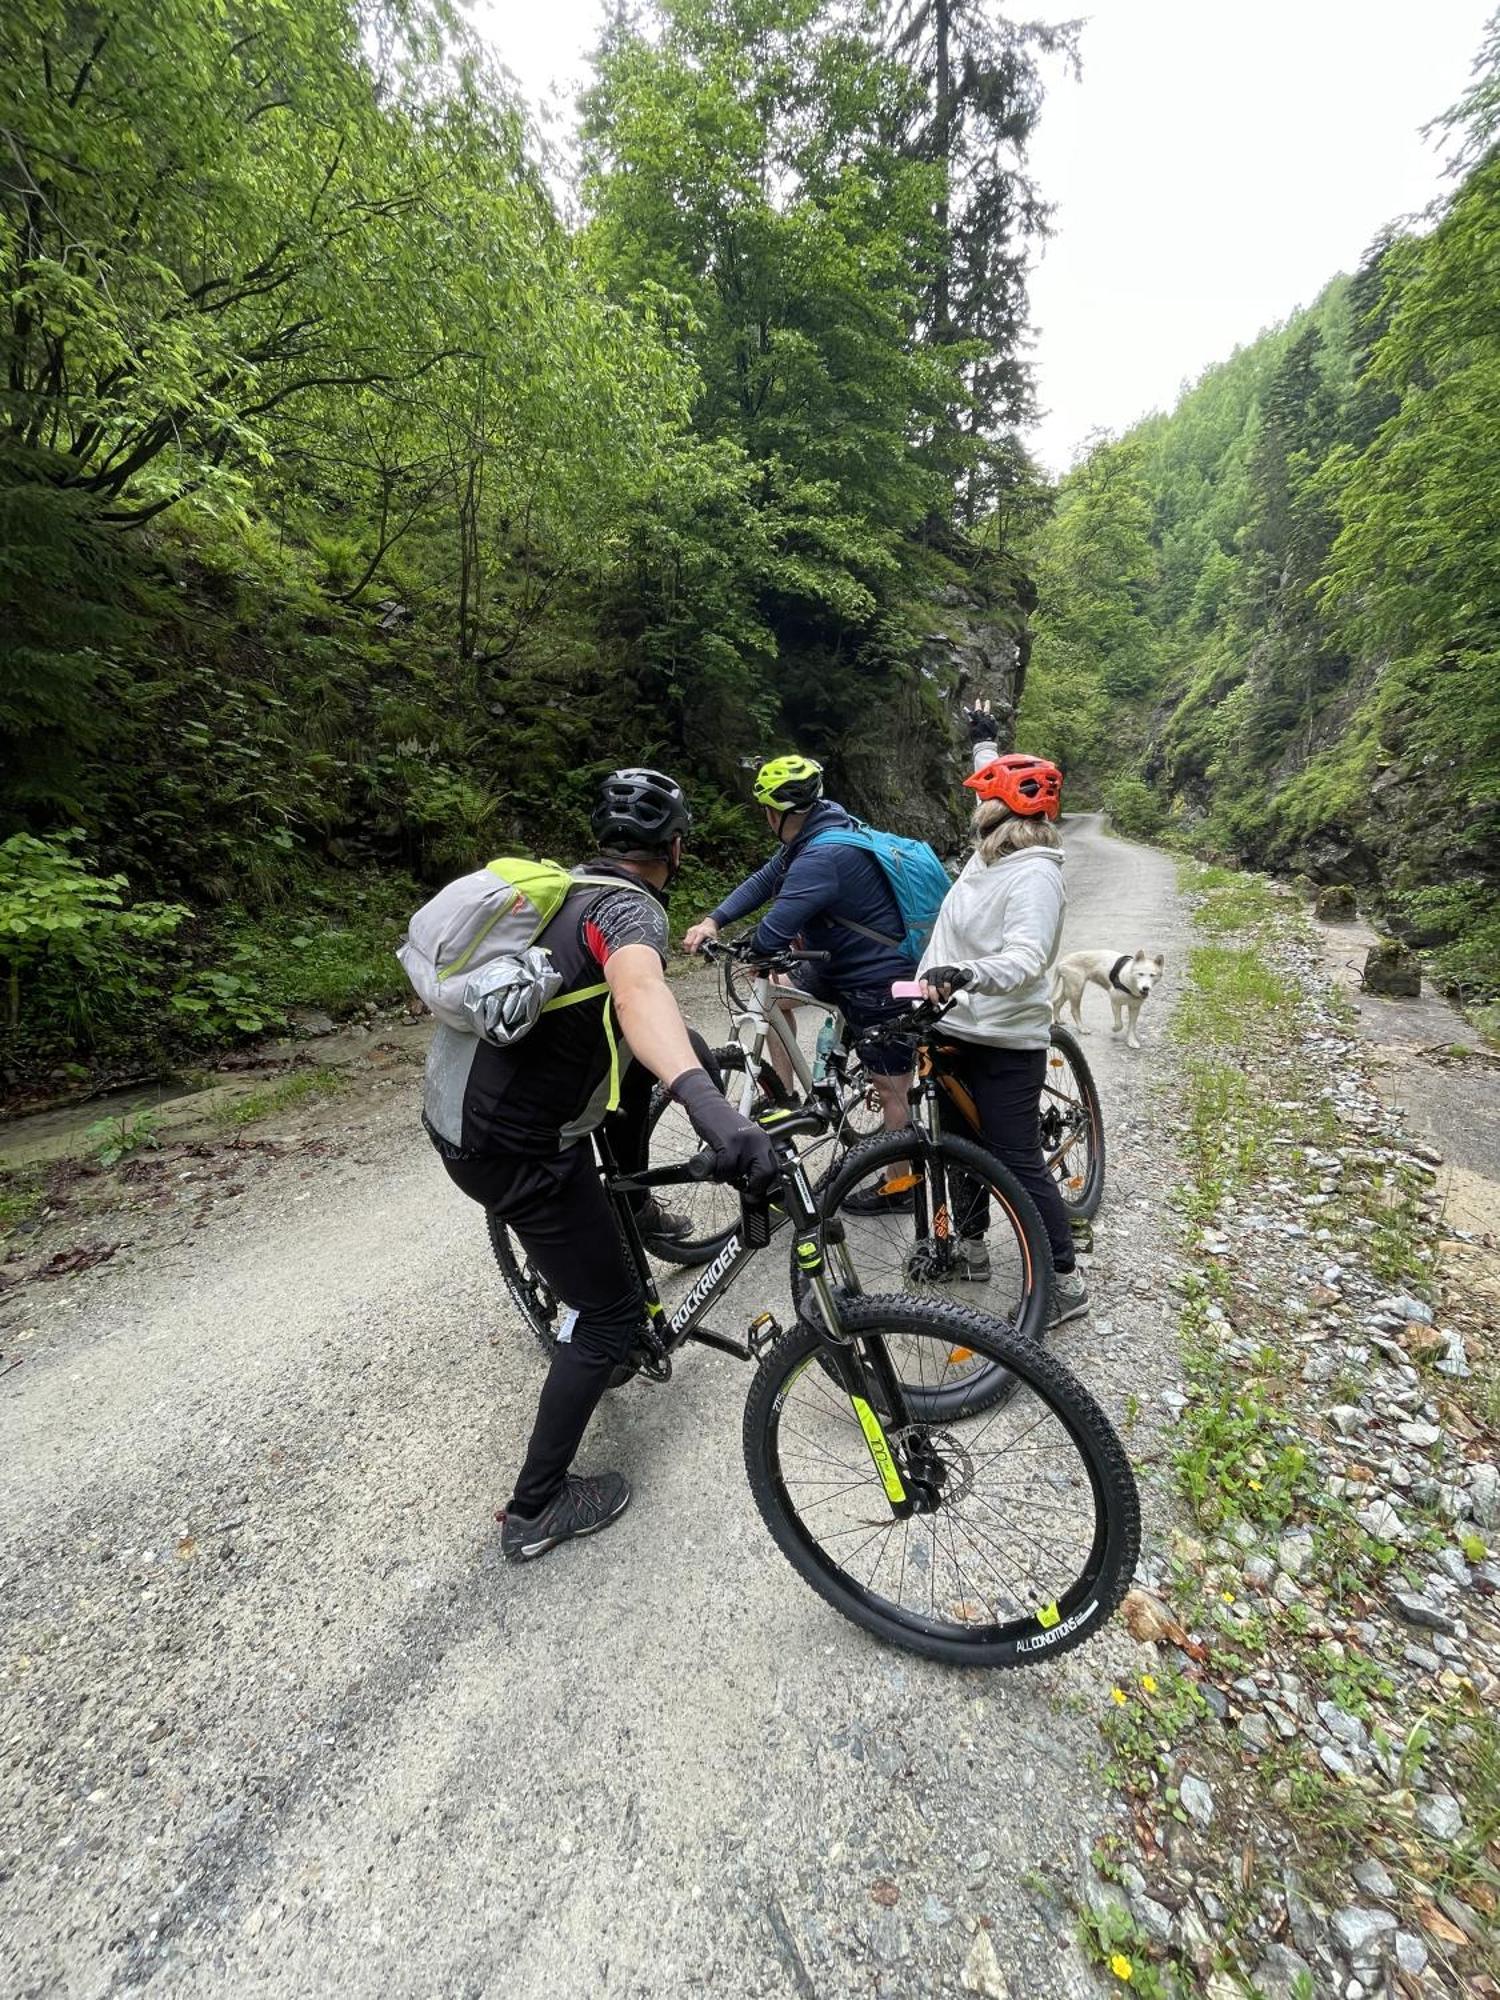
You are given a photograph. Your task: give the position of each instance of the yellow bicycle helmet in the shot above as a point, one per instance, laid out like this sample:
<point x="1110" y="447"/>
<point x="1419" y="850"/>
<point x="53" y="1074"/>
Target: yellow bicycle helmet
<point x="789" y="784"/>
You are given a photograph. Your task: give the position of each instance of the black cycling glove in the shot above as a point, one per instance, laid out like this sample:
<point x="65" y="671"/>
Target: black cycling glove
<point x="982" y="725"/>
<point x="954" y="977"/>
<point x="742" y="1151"/>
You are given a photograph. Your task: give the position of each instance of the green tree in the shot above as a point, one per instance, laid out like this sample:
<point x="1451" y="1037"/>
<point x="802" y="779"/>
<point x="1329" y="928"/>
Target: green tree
<point x="981" y="95"/>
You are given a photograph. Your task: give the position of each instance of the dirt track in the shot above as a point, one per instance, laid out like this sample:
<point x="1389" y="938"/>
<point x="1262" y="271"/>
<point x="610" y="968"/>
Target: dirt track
<point x="278" y="1721"/>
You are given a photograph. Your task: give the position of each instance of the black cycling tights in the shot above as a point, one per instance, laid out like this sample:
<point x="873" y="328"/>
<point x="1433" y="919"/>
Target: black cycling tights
<point x="1006" y="1086"/>
<point x="563" y="1218"/>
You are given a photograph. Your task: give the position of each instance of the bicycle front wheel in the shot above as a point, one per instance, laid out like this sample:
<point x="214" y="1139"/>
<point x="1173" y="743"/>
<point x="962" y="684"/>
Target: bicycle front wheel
<point x="994" y="1538"/>
<point x="1073" y="1127"/>
<point x="940" y="1217"/>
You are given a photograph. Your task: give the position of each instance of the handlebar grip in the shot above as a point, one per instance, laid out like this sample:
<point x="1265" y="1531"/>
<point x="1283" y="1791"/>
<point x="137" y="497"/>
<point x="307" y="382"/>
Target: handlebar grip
<point x="701" y="1166"/>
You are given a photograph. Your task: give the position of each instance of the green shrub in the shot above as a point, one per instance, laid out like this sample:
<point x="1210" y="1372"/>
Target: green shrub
<point x="115" y="1139"/>
<point x="1134" y="809"/>
<point x="76" y="957"/>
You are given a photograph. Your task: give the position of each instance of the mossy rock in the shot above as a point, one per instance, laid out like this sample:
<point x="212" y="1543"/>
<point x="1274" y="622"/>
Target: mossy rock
<point x="1393" y="970"/>
<point x="1335" y="904"/>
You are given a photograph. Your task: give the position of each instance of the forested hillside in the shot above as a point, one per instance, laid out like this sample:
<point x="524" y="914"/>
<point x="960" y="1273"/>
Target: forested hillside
<point x="358" y="509"/>
<point x="1271" y="620"/>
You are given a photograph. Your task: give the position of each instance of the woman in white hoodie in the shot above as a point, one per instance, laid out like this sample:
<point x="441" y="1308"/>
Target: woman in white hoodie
<point x="994" y="944"/>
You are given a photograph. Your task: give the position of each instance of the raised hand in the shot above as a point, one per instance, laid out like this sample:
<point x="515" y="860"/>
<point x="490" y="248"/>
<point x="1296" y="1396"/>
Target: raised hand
<point x="981" y="722"/>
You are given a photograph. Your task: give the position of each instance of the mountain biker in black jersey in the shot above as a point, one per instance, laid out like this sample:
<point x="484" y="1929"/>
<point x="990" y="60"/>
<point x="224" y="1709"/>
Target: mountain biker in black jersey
<point x="836" y="899"/>
<point x="512" y="1125"/>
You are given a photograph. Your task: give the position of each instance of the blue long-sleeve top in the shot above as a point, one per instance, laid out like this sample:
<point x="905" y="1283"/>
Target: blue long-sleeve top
<point x="815" y="890"/>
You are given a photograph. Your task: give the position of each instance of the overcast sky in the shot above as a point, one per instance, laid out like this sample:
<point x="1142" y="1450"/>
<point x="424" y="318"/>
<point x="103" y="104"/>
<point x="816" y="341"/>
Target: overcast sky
<point x="1215" y="167"/>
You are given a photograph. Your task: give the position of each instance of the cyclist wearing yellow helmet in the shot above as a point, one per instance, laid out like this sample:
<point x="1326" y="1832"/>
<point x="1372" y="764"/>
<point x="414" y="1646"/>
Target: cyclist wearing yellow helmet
<point x="836" y="899"/>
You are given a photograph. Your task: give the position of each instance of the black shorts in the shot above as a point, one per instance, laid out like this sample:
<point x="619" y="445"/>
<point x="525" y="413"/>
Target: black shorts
<point x="865" y="1008"/>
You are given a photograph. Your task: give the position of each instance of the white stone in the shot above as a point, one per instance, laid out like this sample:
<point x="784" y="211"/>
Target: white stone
<point x="1360" y="1932"/>
<point x="981" y="1973"/>
<point x="1197" y="1800"/>
<point x="1441" y="1815"/>
<point x="1381" y="1520"/>
<point x="1484" y="1493"/>
<point x="1411" y="1953"/>
<point x="1294" y="1551"/>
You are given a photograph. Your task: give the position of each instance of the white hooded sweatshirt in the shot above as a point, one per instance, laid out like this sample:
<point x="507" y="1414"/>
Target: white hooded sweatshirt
<point x="1003" y="923"/>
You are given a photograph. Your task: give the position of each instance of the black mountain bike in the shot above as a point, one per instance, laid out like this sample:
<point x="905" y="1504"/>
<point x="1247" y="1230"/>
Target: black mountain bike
<point x="980" y="1536"/>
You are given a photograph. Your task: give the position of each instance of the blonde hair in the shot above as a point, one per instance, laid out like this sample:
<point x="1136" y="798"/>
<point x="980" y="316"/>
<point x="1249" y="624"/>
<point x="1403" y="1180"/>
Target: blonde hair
<point x="998" y="831"/>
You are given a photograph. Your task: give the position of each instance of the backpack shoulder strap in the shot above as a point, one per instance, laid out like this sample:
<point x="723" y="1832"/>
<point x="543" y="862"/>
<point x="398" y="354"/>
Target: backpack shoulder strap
<point x="851" y="836"/>
<point x="609" y="882"/>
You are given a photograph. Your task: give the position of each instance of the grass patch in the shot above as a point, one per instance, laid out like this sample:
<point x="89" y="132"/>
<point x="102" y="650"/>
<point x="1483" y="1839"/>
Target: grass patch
<point x="292" y="1090"/>
<point x="1230" y="1130"/>
<point x="1228" y="900"/>
<point x="20" y="1198"/>
<point x="1233" y="998"/>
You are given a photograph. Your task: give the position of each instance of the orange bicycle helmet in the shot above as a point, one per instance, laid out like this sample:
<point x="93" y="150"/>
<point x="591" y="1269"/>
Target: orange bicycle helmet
<point x="1030" y="786"/>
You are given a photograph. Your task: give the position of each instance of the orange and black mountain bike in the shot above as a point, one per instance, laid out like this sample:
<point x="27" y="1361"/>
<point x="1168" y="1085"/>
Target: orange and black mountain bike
<point x="932" y="1209"/>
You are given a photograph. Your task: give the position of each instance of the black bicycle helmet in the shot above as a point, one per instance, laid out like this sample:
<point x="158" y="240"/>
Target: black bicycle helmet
<point x="640" y="811"/>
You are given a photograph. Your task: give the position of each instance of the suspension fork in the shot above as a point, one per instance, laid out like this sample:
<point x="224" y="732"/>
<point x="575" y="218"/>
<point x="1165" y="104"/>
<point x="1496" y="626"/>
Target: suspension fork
<point x="864" y="1371"/>
<point x="861" y="1367"/>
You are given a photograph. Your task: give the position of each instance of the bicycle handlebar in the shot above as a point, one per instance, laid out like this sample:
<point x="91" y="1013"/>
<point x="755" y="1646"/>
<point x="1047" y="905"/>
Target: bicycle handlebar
<point x="701" y="1166"/>
<point x="738" y="952"/>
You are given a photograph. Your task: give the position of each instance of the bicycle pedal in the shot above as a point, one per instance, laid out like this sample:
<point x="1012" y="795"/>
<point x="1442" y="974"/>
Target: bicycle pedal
<point x="762" y="1330"/>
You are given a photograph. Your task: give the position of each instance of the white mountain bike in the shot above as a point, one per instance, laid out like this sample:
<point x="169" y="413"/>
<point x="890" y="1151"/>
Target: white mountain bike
<point x="832" y="1081"/>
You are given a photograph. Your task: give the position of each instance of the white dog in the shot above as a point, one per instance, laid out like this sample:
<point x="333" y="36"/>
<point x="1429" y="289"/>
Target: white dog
<point x="1125" y="976"/>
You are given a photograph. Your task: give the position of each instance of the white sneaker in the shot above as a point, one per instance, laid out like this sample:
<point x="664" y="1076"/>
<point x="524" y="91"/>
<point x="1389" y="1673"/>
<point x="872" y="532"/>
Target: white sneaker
<point x="1070" y="1296"/>
<point x="973" y="1259"/>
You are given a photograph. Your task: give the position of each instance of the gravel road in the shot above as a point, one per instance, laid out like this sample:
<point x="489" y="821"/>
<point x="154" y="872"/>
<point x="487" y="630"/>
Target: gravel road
<point x="278" y="1721"/>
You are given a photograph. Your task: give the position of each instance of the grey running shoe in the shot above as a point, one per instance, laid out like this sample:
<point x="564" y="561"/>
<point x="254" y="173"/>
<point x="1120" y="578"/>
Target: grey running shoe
<point x="1070" y="1296"/>
<point x="973" y="1259"/>
<point x="662" y="1229"/>
<point x="585" y="1504"/>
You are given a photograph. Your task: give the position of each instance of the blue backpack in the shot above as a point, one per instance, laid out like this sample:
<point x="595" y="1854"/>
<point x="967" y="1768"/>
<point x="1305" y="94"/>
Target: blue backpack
<point x="917" y="880"/>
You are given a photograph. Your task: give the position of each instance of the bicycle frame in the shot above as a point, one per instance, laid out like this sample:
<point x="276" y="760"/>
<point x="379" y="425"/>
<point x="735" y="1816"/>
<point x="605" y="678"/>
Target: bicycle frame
<point x="797" y="1206"/>
<point x="863" y="1368"/>
<point x="765" y="1020"/>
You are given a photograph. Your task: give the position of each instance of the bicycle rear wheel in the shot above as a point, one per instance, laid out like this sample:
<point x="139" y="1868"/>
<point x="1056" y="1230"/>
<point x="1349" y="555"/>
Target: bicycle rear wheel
<point x="992" y="1538"/>
<point x="534" y="1298"/>
<point x="1073" y="1126"/>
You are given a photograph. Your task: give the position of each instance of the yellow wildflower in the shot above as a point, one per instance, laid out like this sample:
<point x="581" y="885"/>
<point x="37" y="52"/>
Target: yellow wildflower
<point x="1117" y="1696"/>
<point x="1121" y="1967"/>
<point x="1148" y="1682"/>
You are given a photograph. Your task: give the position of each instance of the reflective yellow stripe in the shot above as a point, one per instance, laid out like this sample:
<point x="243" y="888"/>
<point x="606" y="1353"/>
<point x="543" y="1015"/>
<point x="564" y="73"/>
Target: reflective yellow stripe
<point x="614" y="1057"/>
<point x="572" y="999"/>
<point x="880" y="1451"/>
<point x="592" y="993"/>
